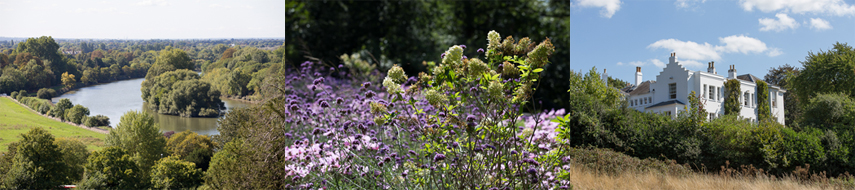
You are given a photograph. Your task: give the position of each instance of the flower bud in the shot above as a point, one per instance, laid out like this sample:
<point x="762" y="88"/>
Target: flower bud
<point x="396" y="73"/>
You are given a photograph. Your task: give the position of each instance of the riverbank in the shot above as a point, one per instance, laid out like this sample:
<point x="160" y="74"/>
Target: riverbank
<point x="16" y="119"/>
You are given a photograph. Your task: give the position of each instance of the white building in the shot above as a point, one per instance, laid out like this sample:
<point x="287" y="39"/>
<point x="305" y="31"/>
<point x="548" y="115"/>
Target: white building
<point x="669" y="93"/>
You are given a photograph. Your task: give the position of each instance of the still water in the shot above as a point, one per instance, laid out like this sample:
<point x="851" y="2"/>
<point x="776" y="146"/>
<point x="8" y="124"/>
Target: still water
<point x="116" y="98"/>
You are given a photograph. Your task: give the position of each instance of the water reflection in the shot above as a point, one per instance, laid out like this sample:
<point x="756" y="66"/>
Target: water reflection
<point x="116" y="98"/>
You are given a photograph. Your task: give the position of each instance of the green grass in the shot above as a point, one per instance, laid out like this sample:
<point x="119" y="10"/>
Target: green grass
<point x="16" y="119"/>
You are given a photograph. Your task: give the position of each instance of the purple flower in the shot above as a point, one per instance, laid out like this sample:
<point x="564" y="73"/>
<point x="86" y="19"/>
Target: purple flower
<point x="340" y="65"/>
<point x="339" y="100"/>
<point x="387" y="159"/>
<point x="478" y="149"/>
<point x="442" y="55"/>
<point x="532" y="171"/>
<point x="377" y="173"/>
<point x="288" y="135"/>
<point x="473" y="89"/>
<point x="324" y="104"/>
<point x="513" y="152"/>
<point x="380" y="163"/>
<point x="480" y="50"/>
<point x="464" y="57"/>
<point x="471" y="118"/>
<point x="463" y="46"/>
<point x="455" y="144"/>
<point x="369" y="94"/>
<point x="294" y="107"/>
<point x="405" y="173"/>
<point x="438" y="157"/>
<point x="531" y="161"/>
<point x="332" y="68"/>
<point x="366" y="84"/>
<point x="316" y="131"/>
<point x="317" y="74"/>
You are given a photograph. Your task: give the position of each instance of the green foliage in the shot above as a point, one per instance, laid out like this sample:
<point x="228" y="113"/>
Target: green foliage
<point x="830" y="71"/>
<point x="696" y="111"/>
<point x="76" y="114"/>
<point x="37" y="163"/>
<point x="763" y="105"/>
<point x="141" y="137"/>
<point x="61" y="107"/>
<point x="617" y="83"/>
<point x="172" y="173"/>
<point x="96" y="121"/>
<point x="591" y="88"/>
<point x="792" y="107"/>
<point x="224" y="172"/>
<point x="406" y="33"/>
<point x="112" y="168"/>
<point x="46" y="93"/>
<point x="732" y="92"/>
<point x="181" y="93"/>
<point x="74" y="155"/>
<point x="828" y="111"/>
<point x="192" y="147"/>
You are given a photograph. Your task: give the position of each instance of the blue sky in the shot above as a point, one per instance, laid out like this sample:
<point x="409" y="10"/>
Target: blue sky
<point x="753" y="35"/>
<point x="143" y="19"/>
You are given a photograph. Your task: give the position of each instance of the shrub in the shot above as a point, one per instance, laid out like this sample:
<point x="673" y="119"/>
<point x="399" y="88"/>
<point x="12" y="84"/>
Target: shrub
<point x="112" y="168"/>
<point x="173" y="173"/>
<point x="14" y="95"/>
<point x="96" y="121"/>
<point x="76" y="114"/>
<point x="46" y="93"/>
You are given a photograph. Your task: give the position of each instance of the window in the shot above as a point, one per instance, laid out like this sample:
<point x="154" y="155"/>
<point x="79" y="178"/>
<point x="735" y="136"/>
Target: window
<point x="650" y="99"/>
<point x="747" y="99"/>
<point x="668" y="113"/>
<point x="753" y="100"/>
<point x="774" y="101"/>
<point x="672" y="90"/>
<point x="719" y="92"/>
<point x="645" y="100"/>
<point x="712" y="116"/>
<point x="702" y="91"/>
<point x="712" y="92"/>
<point x="630" y="103"/>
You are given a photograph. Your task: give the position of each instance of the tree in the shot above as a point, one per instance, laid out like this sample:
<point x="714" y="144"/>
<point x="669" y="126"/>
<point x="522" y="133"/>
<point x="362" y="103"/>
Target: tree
<point x="697" y="113"/>
<point x="172" y="173"/>
<point x="778" y="77"/>
<point x="731" y="99"/>
<point x="141" y="137"/>
<point x="830" y="71"/>
<point x="169" y="60"/>
<point x="192" y="147"/>
<point x="76" y="114"/>
<point x="181" y="93"/>
<point x="112" y="168"/>
<point x="74" y="155"/>
<point x="228" y="53"/>
<point x="60" y="108"/>
<point x="225" y="171"/>
<point x="763" y="106"/>
<point x="37" y="163"/>
<point x="46" y="93"/>
<point x="827" y="111"/>
<point x="68" y="80"/>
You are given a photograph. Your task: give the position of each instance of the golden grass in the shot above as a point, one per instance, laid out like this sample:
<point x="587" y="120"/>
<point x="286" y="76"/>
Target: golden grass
<point x="584" y="179"/>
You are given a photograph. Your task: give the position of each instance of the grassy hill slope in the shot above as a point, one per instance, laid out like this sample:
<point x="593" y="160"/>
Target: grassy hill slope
<point x="16" y="119"/>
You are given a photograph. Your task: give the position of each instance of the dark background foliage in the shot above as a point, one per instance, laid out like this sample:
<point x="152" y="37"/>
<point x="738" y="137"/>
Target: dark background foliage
<point x="410" y="32"/>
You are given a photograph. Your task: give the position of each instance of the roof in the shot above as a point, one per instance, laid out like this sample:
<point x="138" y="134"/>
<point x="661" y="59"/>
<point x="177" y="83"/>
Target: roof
<point x="749" y="78"/>
<point x="642" y="88"/>
<point x="665" y="103"/>
<point x="754" y="79"/>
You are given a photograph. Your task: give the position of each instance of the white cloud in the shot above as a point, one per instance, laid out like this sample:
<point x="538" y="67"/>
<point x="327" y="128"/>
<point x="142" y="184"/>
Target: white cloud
<point x="784" y="22"/>
<point x="687" y="3"/>
<point x="657" y="63"/>
<point x="774" y="52"/>
<point x="831" y="7"/>
<point x="215" y="5"/>
<point x="688" y="49"/>
<point x="153" y="3"/>
<point x="819" y="24"/>
<point x="609" y="6"/>
<point x="690" y="52"/>
<point x="742" y="44"/>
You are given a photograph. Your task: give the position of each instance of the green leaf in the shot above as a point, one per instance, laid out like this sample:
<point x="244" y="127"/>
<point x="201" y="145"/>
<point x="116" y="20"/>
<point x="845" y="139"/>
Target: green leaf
<point x="538" y="70"/>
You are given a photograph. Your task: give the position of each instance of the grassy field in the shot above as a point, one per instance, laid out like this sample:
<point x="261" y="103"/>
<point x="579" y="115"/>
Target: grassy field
<point x="16" y="119"/>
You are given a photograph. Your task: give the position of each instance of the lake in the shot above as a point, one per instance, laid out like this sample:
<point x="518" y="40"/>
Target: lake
<point x="116" y="98"/>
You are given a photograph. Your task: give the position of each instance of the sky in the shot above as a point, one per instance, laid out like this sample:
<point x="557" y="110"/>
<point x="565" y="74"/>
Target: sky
<point x="143" y="19"/>
<point x="752" y="35"/>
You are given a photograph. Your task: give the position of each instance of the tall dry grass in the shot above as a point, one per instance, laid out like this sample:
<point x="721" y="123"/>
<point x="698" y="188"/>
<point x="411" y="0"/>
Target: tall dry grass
<point x="582" y="178"/>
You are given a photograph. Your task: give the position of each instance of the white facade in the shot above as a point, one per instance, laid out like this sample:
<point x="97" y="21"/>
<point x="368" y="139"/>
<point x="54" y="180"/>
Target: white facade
<point x="669" y="93"/>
